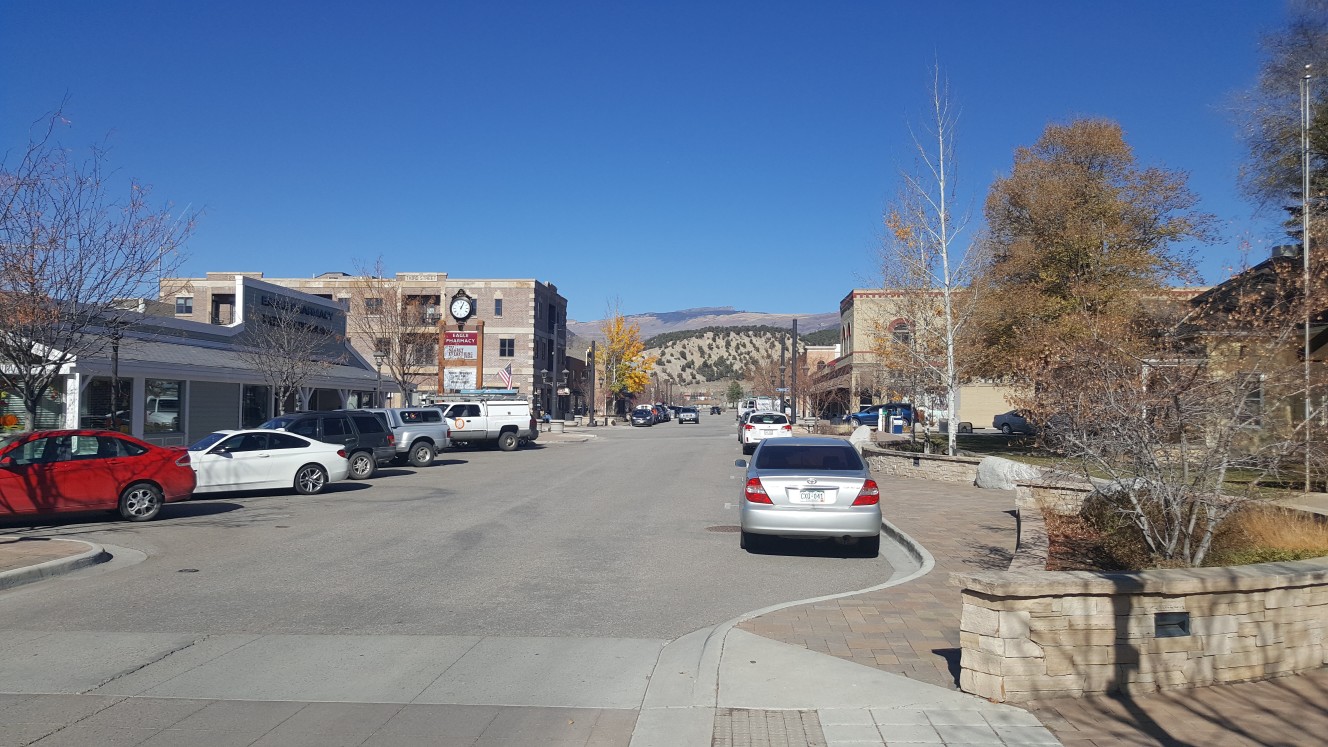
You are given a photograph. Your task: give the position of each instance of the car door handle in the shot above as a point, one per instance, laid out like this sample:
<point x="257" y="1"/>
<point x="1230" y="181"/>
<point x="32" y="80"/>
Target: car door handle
<point x="263" y="456"/>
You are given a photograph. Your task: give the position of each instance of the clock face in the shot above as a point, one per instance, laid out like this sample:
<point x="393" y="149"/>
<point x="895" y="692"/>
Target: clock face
<point x="460" y="308"/>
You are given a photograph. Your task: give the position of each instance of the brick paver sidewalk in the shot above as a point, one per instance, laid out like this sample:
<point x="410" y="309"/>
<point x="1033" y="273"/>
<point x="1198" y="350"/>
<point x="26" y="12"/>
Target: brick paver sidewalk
<point x="911" y="629"/>
<point x="1286" y="711"/>
<point x="20" y="552"/>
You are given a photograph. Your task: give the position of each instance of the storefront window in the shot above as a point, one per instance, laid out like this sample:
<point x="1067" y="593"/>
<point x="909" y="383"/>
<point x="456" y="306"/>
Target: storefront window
<point x="98" y="409"/>
<point x="257" y="406"/>
<point x="163" y="400"/>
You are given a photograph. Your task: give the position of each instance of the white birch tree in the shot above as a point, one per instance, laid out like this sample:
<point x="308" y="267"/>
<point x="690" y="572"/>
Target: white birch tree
<point x="928" y="265"/>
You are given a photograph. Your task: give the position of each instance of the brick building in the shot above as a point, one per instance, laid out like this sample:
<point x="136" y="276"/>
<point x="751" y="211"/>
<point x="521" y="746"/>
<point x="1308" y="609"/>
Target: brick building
<point x="525" y="320"/>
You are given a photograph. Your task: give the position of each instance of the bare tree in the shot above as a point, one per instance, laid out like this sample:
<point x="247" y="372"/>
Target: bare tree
<point x="285" y="348"/>
<point x="925" y="264"/>
<point x="1181" y="420"/>
<point x="399" y="325"/>
<point x="68" y="252"/>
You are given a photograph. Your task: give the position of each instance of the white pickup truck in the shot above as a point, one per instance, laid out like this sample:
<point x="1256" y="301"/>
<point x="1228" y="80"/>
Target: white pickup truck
<point x="506" y="422"/>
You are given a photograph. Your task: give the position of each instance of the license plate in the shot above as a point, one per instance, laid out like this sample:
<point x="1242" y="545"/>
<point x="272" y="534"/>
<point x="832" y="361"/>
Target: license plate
<point x="811" y="496"/>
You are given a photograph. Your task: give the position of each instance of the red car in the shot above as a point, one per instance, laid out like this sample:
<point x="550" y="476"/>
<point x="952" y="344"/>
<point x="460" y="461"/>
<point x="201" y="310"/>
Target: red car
<point x="87" y="470"/>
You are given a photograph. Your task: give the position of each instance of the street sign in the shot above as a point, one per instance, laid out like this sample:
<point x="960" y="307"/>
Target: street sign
<point x="781" y="389"/>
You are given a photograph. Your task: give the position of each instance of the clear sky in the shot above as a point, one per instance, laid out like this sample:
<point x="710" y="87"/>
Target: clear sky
<point x="668" y="154"/>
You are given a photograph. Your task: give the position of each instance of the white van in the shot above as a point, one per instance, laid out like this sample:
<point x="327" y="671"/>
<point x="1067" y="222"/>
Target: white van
<point x="756" y="404"/>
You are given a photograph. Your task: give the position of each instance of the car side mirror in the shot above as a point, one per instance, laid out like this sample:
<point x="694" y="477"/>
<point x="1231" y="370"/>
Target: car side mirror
<point x="740" y="463"/>
<point x="6" y="462"/>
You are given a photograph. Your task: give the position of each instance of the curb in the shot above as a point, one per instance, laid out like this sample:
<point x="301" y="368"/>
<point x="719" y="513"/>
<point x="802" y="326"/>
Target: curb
<point x="698" y="701"/>
<point x="94" y="555"/>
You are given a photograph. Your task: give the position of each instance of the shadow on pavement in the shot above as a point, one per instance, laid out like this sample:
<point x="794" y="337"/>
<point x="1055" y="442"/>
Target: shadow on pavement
<point x="808" y="548"/>
<point x="951" y="656"/>
<point x="101" y="520"/>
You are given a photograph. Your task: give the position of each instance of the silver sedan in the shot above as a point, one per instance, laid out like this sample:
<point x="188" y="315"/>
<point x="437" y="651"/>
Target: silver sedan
<point x="809" y="487"/>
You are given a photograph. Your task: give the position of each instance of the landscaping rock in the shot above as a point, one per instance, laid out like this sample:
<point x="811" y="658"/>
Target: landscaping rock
<point x="862" y="435"/>
<point x="997" y="473"/>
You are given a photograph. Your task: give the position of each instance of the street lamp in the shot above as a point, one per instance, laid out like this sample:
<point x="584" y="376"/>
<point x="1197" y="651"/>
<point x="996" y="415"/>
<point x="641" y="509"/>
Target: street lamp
<point x="379" y="356"/>
<point x="553" y="390"/>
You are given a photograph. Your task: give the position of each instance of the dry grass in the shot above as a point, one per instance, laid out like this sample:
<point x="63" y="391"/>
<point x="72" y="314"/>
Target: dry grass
<point x="1263" y="533"/>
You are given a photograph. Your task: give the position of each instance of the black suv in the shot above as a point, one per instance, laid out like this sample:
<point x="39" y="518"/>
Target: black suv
<point x="368" y="440"/>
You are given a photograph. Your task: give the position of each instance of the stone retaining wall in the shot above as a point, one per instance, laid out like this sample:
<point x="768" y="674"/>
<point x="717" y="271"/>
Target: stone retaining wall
<point x="1029" y="634"/>
<point x="922" y="466"/>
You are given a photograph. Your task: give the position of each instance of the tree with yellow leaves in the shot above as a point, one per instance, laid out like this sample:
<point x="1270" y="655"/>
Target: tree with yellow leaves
<point x="624" y="367"/>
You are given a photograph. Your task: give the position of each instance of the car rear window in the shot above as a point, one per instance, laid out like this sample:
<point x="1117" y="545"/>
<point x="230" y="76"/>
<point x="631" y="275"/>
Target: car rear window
<point x="813" y="458"/>
<point x="768" y="418"/>
<point x="368" y="424"/>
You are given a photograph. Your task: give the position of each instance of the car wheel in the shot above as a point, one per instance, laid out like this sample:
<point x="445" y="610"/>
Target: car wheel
<point x="310" y="479"/>
<point x="1006" y="429"/>
<point x="870" y="547"/>
<point x="421" y="454"/>
<point x="507" y="441"/>
<point x="140" y="502"/>
<point x="362" y="465"/>
<point x="854" y="422"/>
<point x="748" y="448"/>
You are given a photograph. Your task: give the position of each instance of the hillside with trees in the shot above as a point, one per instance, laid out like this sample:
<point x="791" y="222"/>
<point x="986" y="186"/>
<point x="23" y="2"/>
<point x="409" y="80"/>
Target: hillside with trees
<point x="715" y="355"/>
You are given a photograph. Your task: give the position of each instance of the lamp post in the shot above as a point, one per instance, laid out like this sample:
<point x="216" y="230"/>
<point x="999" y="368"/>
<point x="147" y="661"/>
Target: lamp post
<point x="553" y="389"/>
<point x="378" y="387"/>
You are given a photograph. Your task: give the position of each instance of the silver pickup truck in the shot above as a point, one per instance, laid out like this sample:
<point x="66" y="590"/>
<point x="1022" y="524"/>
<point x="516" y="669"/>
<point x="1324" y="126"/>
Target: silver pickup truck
<point x="421" y="433"/>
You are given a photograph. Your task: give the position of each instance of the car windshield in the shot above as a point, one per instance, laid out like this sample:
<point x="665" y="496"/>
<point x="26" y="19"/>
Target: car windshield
<point x="687" y="409"/>
<point x="207" y="442"/>
<point x="831" y="458"/>
<point x="767" y="418"/>
<point x="277" y="424"/>
<point x="9" y="438"/>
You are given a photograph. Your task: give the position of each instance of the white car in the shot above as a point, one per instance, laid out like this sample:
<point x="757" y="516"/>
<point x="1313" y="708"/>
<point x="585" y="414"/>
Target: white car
<point x="759" y="426"/>
<point x="265" y="459"/>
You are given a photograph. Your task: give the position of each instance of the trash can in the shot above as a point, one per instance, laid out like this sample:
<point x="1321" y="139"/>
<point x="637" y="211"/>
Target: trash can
<point x="897" y="425"/>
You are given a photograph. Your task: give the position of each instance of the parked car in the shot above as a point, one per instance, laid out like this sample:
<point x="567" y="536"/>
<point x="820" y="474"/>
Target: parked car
<point x="870" y="415"/>
<point x="688" y="415"/>
<point x="662" y="414"/>
<point x="643" y="416"/>
<point x="716" y="410"/>
<point x="420" y="432"/>
<point x="43" y="472"/>
<point x="265" y="460"/>
<point x="759" y="426"/>
<point x="809" y="487"/>
<point x="1014" y="421"/>
<point x="365" y="435"/>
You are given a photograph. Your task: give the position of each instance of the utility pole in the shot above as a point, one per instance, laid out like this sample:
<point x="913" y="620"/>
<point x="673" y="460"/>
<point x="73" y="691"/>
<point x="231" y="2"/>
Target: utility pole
<point x="1305" y="250"/>
<point x="793" y="385"/>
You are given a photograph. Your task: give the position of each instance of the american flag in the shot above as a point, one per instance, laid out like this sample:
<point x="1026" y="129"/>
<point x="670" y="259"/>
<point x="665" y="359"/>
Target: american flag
<point x="506" y="376"/>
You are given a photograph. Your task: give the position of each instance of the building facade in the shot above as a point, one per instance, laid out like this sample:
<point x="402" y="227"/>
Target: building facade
<point x="171" y="381"/>
<point x="524" y="324"/>
<point x="857" y="378"/>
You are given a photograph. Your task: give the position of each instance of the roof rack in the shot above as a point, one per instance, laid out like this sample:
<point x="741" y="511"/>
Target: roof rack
<point x="481" y="394"/>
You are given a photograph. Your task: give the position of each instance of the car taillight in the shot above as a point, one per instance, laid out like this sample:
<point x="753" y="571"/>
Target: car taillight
<point x="755" y="491"/>
<point x="183" y="461"/>
<point x="342" y="453"/>
<point x="391" y="439"/>
<point x="788" y="428"/>
<point x="749" y="427"/>
<point x="870" y="494"/>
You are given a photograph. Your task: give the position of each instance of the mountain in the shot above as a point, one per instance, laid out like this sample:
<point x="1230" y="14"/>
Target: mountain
<point x="662" y="322"/>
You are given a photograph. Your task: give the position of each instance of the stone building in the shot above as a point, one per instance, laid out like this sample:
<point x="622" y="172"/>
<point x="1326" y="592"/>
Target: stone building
<point x="525" y="322"/>
<point x="857" y="378"/>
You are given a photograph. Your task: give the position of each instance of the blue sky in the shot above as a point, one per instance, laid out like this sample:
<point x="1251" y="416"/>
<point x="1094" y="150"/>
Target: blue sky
<point x="671" y="155"/>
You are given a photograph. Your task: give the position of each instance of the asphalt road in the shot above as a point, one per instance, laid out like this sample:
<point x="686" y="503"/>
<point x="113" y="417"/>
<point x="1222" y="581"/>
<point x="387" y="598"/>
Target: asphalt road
<point x="629" y="535"/>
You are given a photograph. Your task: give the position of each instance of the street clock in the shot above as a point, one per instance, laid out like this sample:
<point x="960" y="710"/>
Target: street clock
<point x="462" y="307"/>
